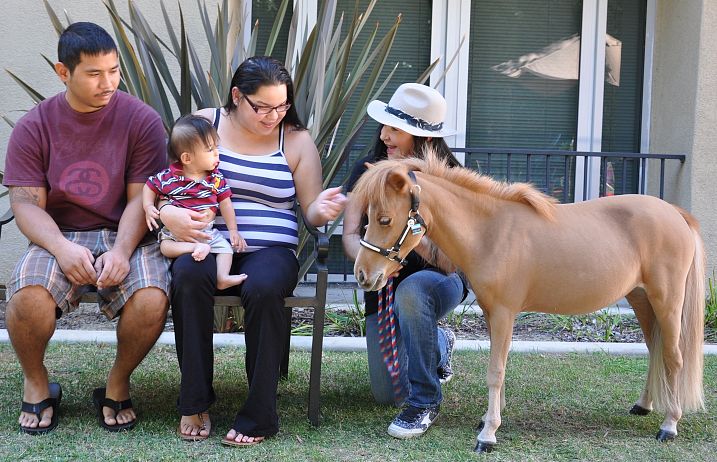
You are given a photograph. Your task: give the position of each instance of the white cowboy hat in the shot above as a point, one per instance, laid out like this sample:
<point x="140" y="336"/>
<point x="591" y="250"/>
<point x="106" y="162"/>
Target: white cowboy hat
<point x="415" y="109"/>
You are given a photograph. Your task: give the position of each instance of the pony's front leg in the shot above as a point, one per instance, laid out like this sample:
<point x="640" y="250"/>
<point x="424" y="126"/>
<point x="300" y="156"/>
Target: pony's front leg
<point x="501" y="331"/>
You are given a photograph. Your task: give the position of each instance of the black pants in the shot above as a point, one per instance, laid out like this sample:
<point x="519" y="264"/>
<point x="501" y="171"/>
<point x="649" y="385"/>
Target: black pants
<point x="272" y="276"/>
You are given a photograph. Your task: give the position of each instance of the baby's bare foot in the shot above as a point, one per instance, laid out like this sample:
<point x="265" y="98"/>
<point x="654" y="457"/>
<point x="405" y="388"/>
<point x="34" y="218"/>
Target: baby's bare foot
<point x="230" y="280"/>
<point x="201" y="251"/>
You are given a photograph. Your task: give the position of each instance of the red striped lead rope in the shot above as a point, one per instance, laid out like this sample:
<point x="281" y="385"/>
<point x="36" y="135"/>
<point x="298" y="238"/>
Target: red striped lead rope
<point x="387" y="336"/>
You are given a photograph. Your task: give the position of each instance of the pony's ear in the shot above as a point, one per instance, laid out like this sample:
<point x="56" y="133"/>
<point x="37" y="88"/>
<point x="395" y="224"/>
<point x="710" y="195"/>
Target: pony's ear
<point x="397" y="180"/>
<point x="368" y="165"/>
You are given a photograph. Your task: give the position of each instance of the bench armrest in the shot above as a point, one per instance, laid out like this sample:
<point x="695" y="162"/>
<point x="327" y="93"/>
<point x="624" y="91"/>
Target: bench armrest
<point x="321" y="240"/>
<point x="321" y="244"/>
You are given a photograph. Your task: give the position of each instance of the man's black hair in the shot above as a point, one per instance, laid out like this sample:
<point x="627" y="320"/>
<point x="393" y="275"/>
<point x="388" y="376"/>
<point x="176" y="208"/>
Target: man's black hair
<point x="83" y="37"/>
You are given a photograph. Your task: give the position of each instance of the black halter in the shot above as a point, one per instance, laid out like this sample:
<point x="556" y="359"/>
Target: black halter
<point x="414" y="222"/>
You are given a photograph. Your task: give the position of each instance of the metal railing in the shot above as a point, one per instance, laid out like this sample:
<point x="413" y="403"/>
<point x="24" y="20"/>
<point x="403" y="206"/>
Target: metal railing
<point x="551" y="171"/>
<point x="626" y="160"/>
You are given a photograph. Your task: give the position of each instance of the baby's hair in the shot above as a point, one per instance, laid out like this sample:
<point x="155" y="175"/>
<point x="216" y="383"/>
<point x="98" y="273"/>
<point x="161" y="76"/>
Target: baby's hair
<point x="187" y="132"/>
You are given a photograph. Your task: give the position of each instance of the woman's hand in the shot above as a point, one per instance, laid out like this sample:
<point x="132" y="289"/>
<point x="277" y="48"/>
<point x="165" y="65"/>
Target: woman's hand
<point x="186" y="225"/>
<point x="328" y="205"/>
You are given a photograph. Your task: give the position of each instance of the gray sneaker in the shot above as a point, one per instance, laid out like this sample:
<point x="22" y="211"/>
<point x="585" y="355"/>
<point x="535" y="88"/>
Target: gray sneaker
<point x="413" y="421"/>
<point x="445" y="373"/>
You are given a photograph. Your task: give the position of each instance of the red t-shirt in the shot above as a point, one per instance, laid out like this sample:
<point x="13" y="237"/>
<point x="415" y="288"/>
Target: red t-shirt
<point x="187" y="193"/>
<point x="86" y="160"/>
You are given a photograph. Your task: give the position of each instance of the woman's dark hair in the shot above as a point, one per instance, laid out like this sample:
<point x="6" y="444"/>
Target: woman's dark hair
<point x="188" y="131"/>
<point x="420" y="144"/>
<point x="259" y="71"/>
<point x="83" y="37"/>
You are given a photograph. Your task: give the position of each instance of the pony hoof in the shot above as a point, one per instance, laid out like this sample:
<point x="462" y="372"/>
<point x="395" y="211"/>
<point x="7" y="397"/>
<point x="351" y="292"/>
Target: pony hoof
<point x="480" y="426"/>
<point x="639" y="410"/>
<point x="484" y="447"/>
<point x="664" y="435"/>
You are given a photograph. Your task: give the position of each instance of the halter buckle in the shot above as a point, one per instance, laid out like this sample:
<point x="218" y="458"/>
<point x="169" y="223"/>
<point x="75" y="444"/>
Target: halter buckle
<point x="414" y="226"/>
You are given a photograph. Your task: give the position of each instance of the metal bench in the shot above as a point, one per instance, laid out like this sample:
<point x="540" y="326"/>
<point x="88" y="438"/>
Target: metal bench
<point x="317" y="301"/>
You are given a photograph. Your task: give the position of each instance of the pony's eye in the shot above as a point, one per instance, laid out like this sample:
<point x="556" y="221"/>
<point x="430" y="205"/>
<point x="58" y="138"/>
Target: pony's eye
<point x="384" y="221"/>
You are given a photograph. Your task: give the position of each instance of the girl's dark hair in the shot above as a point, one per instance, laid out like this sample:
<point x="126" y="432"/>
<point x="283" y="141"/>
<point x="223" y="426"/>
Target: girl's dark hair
<point x="259" y="71"/>
<point x="420" y="144"/>
<point x="83" y="37"/>
<point x="187" y="132"/>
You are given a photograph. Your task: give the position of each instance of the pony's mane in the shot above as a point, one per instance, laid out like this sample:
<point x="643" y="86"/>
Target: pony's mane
<point x="373" y="182"/>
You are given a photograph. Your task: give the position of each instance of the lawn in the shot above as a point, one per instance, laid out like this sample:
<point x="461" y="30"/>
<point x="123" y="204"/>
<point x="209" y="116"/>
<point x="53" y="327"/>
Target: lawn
<point x="566" y="407"/>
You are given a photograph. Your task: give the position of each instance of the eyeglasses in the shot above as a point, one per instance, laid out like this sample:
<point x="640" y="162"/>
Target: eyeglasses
<point x="264" y="110"/>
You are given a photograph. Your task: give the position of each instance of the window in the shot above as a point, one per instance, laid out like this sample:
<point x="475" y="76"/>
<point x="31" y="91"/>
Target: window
<point x="265" y="11"/>
<point x="523" y="86"/>
<point x="525" y="91"/>
<point x="622" y="100"/>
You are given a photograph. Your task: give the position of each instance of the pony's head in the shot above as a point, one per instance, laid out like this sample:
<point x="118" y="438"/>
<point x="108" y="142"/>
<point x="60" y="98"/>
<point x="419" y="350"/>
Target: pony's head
<point x="388" y="195"/>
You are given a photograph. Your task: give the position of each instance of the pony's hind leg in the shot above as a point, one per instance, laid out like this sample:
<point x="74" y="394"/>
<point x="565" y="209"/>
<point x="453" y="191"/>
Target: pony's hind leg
<point x="646" y="318"/>
<point x="501" y="331"/>
<point x="666" y="357"/>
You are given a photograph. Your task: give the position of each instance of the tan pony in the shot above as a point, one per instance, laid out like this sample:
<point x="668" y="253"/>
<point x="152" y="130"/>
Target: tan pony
<point x="523" y="252"/>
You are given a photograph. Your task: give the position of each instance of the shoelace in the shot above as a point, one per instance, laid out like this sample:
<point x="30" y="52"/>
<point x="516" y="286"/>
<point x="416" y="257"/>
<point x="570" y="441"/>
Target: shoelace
<point x="387" y="337"/>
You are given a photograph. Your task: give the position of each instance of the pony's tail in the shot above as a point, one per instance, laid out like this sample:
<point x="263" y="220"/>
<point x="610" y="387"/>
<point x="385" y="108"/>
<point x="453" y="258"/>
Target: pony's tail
<point x="690" y="392"/>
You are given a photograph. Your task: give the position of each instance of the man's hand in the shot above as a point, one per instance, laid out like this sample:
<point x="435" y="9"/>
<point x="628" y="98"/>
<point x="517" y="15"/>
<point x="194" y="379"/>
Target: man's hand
<point x="111" y="268"/>
<point x="76" y="263"/>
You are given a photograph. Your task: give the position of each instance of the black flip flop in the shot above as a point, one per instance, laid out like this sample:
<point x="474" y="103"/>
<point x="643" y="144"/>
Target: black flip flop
<point x="53" y="401"/>
<point x="100" y="400"/>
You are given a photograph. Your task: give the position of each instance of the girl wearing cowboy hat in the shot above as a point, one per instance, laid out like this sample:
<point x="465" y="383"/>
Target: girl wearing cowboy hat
<point x="424" y="292"/>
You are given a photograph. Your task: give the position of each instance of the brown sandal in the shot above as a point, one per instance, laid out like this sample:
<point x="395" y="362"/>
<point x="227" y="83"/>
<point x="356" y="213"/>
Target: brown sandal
<point x="206" y="425"/>
<point x="229" y="442"/>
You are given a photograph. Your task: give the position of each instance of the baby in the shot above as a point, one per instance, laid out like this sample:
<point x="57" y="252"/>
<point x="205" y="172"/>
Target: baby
<point x="193" y="181"/>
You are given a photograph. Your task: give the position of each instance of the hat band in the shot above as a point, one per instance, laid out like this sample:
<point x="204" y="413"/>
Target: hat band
<point x="413" y="121"/>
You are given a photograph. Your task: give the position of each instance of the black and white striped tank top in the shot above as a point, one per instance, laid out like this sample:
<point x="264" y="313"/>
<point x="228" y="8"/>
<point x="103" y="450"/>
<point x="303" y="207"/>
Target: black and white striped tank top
<point x="263" y="196"/>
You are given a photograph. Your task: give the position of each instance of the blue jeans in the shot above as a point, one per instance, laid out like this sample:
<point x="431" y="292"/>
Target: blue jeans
<point x="420" y="301"/>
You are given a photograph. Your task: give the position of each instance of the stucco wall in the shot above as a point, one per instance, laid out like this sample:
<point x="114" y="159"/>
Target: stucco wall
<point x="704" y="189"/>
<point x="27" y="33"/>
<point x="683" y="117"/>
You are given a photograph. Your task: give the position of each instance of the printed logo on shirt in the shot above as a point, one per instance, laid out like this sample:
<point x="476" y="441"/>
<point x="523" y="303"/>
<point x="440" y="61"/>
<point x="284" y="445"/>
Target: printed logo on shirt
<point x="85" y="182"/>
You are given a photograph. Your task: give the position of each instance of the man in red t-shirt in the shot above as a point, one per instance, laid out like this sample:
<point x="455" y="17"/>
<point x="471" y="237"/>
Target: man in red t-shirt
<point x="75" y="167"/>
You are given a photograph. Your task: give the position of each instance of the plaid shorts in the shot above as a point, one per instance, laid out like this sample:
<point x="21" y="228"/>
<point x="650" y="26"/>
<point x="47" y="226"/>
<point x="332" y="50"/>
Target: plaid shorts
<point x="38" y="267"/>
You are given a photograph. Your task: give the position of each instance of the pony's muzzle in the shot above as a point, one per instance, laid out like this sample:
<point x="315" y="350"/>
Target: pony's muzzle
<point x="367" y="283"/>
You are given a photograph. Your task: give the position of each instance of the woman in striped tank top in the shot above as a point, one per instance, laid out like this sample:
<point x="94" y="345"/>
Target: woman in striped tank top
<point x="269" y="161"/>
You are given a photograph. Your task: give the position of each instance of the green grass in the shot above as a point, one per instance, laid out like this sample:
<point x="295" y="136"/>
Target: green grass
<point x="566" y="407"/>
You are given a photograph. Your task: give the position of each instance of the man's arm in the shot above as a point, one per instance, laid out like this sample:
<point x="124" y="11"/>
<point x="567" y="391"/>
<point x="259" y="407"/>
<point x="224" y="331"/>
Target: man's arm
<point x="113" y="266"/>
<point x="28" y="205"/>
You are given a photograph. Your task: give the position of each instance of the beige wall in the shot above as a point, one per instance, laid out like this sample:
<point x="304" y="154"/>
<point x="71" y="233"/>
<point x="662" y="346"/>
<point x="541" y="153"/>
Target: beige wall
<point x="684" y="119"/>
<point x="27" y="33"/>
